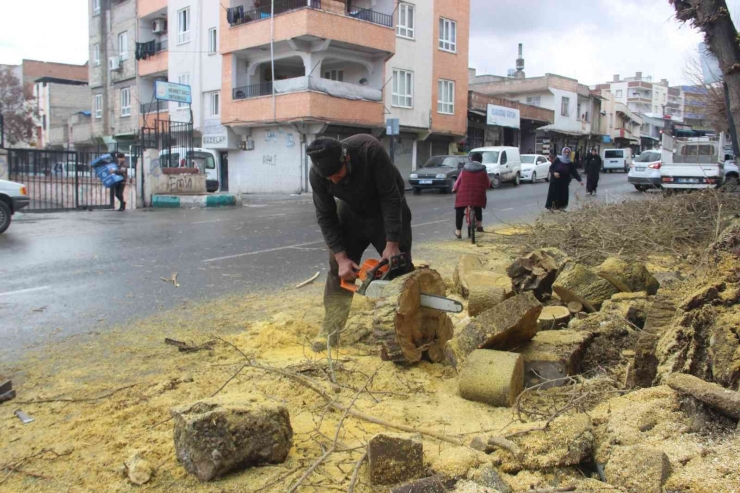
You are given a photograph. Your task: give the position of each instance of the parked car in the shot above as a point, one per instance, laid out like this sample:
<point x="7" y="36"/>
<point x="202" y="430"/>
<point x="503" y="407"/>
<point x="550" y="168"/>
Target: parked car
<point x="695" y="163"/>
<point x="13" y="197"/>
<point x="645" y="171"/>
<point x="616" y="160"/>
<point x="439" y="172"/>
<point x="204" y="159"/>
<point x="535" y="167"/>
<point x="502" y="163"/>
<point x="732" y="176"/>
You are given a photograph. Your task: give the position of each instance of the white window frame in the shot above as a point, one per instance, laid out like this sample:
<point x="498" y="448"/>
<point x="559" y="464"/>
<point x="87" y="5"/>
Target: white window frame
<point x="126" y="101"/>
<point x="619" y="93"/>
<point x="123" y="45"/>
<point x="405" y="98"/>
<point x="334" y="74"/>
<point x="214" y="101"/>
<point x="565" y="106"/>
<point x="212" y="41"/>
<point x="447" y="35"/>
<point x="96" y="6"/>
<point x="96" y="54"/>
<point x="406" y="20"/>
<point x="183" y="79"/>
<point x="183" y="26"/>
<point x="446" y="97"/>
<point x="98" y="106"/>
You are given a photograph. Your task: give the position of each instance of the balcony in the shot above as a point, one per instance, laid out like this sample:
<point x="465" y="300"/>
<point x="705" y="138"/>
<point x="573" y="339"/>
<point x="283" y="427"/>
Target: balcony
<point x="148" y="7"/>
<point x="299" y="84"/>
<point x="310" y="20"/>
<point x="153" y="57"/>
<point x="639" y="98"/>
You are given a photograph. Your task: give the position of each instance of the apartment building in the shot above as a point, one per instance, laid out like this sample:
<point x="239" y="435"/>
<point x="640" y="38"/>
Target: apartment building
<point x="427" y="81"/>
<point x="112" y="71"/>
<point x="577" y="111"/>
<point x="622" y="127"/>
<point x="645" y="97"/>
<point x="696" y="112"/>
<point x="56" y="101"/>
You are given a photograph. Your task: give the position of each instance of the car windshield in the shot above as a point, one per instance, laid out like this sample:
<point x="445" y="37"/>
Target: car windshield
<point x="202" y="159"/>
<point x="441" y="161"/>
<point x="648" y="157"/>
<point x="527" y="159"/>
<point x="490" y="157"/>
<point x="613" y="154"/>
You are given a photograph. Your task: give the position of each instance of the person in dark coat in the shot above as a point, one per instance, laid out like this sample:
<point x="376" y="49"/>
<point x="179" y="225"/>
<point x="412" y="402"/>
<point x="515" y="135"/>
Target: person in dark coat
<point x="593" y="168"/>
<point x="358" y="195"/>
<point x="119" y="187"/>
<point x="562" y="171"/>
<point x="471" y="188"/>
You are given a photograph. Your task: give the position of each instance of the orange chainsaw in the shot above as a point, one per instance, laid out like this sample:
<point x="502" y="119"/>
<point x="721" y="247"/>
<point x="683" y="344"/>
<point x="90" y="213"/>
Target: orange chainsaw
<point x="375" y="275"/>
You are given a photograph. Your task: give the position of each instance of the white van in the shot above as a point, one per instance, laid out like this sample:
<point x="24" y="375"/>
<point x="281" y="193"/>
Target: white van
<point x="502" y="164"/>
<point x="205" y="159"/>
<point x="616" y="159"/>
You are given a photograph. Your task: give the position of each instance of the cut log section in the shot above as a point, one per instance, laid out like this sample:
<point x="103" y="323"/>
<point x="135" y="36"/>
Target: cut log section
<point x="483" y="298"/>
<point x="466" y="264"/>
<point x="492" y="377"/>
<point x="536" y="272"/>
<point x="553" y="317"/>
<point x="628" y="277"/>
<point x="575" y="307"/>
<point x="577" y="283"/>
<point x="405" y="330"/>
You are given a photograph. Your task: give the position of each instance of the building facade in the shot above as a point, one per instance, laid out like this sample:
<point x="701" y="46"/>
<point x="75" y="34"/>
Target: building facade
<point x="56" y="101"/>
<point x="112" y="71"/>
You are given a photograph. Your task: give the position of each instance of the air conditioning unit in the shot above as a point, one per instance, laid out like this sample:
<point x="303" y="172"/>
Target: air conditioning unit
<point x="114" y="63"/>
<point x="159" y="26"/>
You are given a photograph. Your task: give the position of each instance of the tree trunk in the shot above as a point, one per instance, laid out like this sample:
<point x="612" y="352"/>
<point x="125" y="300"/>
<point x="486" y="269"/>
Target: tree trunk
<point x="712" y="18"/>
<point x="404" y="329"/>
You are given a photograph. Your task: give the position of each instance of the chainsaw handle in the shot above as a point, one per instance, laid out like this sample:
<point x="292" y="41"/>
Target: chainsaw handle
<point x="349" y="286"/>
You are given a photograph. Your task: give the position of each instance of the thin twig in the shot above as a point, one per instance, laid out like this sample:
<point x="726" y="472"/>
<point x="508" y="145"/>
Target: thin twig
<point x="278" y="480"/>
<point x="81" y="399"/>
<point x="356" y="473"/>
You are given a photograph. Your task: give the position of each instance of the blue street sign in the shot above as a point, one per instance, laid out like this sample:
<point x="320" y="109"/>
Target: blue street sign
<point x="169" y="91"/>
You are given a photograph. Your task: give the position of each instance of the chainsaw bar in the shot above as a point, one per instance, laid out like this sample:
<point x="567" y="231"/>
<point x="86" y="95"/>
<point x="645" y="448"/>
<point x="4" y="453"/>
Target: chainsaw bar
<point x="441" y="303"/>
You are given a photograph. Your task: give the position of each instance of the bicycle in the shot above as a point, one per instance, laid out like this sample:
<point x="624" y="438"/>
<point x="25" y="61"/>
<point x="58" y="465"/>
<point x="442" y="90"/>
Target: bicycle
<point x="470" y="218"/>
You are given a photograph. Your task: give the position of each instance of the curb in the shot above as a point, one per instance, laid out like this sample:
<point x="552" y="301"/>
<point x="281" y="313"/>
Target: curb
<point x="194" y="201"/>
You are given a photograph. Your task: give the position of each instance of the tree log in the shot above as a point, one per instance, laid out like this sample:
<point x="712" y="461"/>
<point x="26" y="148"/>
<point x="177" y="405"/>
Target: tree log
<point x="575" y="307"/>
<point x="465" y="265"/>
<point x="725" y="401"/>
<point x="492" y="377"/>
<point x="628" y="277"/>
<point x="483" y="298"/>
<point x="536" y="272"/>
<point x="405" y="330"/>
<point x="577" y="283"/>
<point x="553" y="317"/>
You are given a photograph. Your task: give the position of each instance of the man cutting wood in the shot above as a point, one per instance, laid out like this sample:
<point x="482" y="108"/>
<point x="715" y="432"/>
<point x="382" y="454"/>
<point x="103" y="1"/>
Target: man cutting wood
<point x="358" y="194"/>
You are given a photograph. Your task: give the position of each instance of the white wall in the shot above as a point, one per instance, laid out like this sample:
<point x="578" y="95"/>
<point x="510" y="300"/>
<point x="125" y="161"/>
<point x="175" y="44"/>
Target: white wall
<point x="275" y="164"/>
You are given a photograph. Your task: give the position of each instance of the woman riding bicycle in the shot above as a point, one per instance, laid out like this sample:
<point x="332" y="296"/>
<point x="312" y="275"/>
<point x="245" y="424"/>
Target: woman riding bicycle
<point x="471" y="188"/>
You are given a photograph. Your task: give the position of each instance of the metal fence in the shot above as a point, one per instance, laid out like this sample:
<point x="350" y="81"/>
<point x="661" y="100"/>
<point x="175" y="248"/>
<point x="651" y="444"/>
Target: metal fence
<point x="252" y="91"/>
<point x="237" y="15"/>
<point x="59" y="180"/>
<point x="371" y="16"/>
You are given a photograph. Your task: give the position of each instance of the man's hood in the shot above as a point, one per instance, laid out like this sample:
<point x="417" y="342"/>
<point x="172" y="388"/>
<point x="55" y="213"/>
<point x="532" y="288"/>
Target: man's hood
<point x="474" y="167"/>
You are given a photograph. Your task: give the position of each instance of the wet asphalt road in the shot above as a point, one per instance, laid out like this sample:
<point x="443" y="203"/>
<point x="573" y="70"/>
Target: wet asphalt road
<point x="68" y="273"/>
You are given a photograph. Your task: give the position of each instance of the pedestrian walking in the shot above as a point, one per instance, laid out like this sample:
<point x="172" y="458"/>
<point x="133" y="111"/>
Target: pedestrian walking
<point x="119" y="187"/>
<point x="563" y="170"/>
<point x="471" y="188"/>
<point x="593" y="169"/>
<point x="358" y="195"/>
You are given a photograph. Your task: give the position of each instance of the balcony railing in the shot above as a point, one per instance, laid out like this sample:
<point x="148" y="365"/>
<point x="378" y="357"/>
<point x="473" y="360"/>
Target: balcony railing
<point x="252" y="91"/>
<point x="237" y="16"/>
<point x="150" y="48"/>
<point x="371" y="16"/>
<point x="344" y="90"/>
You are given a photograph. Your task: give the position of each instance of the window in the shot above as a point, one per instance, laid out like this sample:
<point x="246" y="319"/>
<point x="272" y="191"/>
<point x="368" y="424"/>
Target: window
<point x="534" y="100"/>
<point x="334" y="75"/>
<point x="123" y="45"/>
<point x="446" y="97"/>
<point x="96" y="7"/>
<point x="98" y="106"/>
<point x="578" y="110"/>
<point x="403" y="89"/>
<point x="405" y="27"/>
<point x="126" y="101"/>
<point x="503" y="157"/>
<point x="96" y="54"/>
<point x="213" y="103"/>
<point x="447" y="35"/>
<point x="564" y="110"/>
<point x="183" y="26"/>
<point x="619" y="93"/>
<point x="183" y="79"/>
<point x="212" y="41"/>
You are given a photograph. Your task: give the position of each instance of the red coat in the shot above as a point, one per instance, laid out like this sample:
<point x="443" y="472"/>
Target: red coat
<point x="471" y="186"/>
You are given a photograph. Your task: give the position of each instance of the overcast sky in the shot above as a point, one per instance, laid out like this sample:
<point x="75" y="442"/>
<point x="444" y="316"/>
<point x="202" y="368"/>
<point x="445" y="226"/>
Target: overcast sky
<point x="586" y="39"/>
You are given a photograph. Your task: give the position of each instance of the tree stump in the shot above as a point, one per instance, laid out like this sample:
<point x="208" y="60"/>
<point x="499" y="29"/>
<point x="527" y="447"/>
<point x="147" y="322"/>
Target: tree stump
<point x="405" y="330"/>
<point x="481" y="299"/>
<point x="553" y="317"/>
<point x="628" y="277"/>
<point x="577" y="283"/>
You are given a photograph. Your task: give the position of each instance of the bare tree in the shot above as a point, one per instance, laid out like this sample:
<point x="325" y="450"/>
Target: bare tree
<point x="712" y="18"/>
<point x="711" y="95"/>
<point x="16" y="107"/>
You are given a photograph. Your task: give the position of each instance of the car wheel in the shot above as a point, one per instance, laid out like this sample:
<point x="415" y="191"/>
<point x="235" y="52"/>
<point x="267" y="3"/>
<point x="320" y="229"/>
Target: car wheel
<point x="5" y="216"/>
<point x="516" y="180"/>
<point x="496" y="181"/>
<point x="640" y="188"/>
<point x="534" y="176"/>
<point x="417" y="190"/>
<point x="732" y="183"/>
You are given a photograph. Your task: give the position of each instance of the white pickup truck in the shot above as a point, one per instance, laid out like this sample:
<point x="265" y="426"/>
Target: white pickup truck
<point x="13" y="197"/>
<point x="691" y="163"/>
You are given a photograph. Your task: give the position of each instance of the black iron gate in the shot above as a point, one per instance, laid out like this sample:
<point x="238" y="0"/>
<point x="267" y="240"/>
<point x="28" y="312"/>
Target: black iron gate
<point x="59" y="180"/>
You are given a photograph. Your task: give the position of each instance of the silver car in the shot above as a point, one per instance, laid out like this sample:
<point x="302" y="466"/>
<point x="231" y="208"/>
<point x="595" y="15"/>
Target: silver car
<point x="645" y="171"/>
